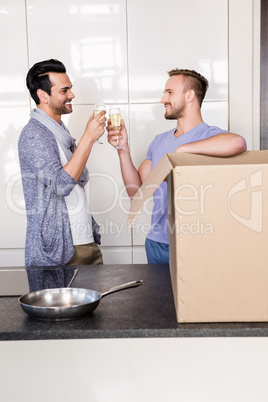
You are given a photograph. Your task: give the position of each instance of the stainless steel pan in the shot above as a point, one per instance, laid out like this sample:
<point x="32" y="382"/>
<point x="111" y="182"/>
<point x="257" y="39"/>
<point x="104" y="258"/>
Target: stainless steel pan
<point x="65" y="303"/>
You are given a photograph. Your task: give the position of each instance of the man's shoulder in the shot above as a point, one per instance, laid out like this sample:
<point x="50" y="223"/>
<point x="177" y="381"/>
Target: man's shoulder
<point x="35" y="129"/>
<point x="206" y="130"/>
<point x="32" y="124"/>
<point x="36" y="135"/>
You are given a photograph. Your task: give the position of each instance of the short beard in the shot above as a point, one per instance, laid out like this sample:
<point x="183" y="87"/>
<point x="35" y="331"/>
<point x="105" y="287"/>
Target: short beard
<point x="61" y="109"/>
<point x="176" y="114"/>
<point x="171" y="117"/>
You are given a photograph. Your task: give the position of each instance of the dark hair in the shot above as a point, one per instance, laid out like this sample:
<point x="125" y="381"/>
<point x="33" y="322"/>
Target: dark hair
<point x="192" y="80"/>
<point x="38" y="76"/>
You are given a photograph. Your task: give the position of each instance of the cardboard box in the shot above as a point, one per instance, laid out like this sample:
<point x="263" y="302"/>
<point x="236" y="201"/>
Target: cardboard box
<point x="218" y="234"/>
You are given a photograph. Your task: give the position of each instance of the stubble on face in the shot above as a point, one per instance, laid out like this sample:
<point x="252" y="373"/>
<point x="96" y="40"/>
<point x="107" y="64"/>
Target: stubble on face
<point x="60" y="108"/>
<point x="175" y="111"/>
<point x="58" y="102"/>
<point x="174" y="98"/>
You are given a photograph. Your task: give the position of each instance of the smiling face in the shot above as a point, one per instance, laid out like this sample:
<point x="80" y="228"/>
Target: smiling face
<point x="174" y="98"/>
<point x="61" y="94"/>
<point x="59" y="101"/>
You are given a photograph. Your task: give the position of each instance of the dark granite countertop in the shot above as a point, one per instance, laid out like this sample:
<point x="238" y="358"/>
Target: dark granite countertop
<point x="142" y="312"/>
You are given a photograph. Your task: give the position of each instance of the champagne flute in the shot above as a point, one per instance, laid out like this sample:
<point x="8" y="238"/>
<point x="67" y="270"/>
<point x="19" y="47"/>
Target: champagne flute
<point x="99" y="107"/>
<point x="115" y="117"/>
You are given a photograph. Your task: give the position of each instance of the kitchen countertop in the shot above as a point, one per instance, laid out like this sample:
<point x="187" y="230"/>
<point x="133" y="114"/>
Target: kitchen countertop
<point x="146" y="311"/>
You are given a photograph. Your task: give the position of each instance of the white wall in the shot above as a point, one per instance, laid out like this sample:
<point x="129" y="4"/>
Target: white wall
<point x="117" y="52"/>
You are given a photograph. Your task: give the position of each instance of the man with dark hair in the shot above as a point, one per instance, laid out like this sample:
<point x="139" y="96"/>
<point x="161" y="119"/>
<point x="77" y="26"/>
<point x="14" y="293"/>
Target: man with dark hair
<point x="60" y="228"/>
<point x="183" y="96"/>
<point x="38" y="77"/>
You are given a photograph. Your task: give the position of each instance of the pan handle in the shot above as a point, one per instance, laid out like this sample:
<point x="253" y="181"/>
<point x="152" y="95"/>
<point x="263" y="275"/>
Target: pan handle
<point x="121" y="287"/>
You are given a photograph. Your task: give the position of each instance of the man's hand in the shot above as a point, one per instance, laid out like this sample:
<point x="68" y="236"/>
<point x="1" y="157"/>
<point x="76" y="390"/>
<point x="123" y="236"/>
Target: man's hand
<point x="114" y="136"/>
<point x="96" y="126"/>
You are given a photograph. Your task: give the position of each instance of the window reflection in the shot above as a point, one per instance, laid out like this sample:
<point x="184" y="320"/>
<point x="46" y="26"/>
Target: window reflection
<point x="94" y="9"/>
<point x="3" y="11"/>
<point x="12" y="85"/>
<point x="98" y="53"/>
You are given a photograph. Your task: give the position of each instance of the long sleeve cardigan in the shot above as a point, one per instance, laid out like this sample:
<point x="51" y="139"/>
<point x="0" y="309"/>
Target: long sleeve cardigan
<point x="45" y="184"/>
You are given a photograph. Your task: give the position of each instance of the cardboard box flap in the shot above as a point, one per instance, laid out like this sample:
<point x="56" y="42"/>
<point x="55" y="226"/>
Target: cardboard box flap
<point x="245" y="158"/>
<point x="170" y="161"/>
<point x="145" y="192"/>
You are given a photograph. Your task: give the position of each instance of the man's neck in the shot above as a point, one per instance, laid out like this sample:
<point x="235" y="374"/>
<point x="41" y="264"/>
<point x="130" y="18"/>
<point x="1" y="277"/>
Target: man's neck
<point x="54" y="116"/>
<point x="186" y="124"/>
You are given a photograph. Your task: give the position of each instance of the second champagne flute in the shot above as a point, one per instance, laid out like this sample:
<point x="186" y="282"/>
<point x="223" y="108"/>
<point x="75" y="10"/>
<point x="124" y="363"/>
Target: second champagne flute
<point x="115" y="117"/>
<point x="99" y="107"/>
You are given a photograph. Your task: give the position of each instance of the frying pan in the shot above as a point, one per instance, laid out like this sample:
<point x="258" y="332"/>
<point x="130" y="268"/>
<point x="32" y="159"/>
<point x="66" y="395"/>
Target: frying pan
<point x="65" y="303"/>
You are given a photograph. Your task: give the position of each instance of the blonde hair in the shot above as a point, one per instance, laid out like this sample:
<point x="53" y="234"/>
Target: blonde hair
<point x="192" y="80"/>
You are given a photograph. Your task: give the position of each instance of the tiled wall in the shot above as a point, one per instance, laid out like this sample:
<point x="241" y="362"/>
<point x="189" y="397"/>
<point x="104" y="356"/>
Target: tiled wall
<point x="117" y="51"/>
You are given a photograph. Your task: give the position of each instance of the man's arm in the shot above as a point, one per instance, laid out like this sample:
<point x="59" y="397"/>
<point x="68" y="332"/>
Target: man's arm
<point x="132" y="177"/>
<point x="94" y="129"/>
<point x="38" y="152"/>
<point x="130" y="174"/>
<point x="224" y="144"/>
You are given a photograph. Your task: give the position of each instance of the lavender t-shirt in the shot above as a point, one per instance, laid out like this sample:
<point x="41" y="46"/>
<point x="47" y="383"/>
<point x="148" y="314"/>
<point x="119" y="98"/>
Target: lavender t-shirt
<point x="161" y="145"/>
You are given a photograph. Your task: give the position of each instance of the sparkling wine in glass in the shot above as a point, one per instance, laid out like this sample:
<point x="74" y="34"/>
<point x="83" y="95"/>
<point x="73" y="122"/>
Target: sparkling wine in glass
<point x="115" y="117"/>
<point x="99" y="107"/>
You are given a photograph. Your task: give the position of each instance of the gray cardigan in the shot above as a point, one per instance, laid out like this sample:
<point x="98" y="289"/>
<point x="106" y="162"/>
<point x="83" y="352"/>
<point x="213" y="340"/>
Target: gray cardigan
<point x="45" y="184"/>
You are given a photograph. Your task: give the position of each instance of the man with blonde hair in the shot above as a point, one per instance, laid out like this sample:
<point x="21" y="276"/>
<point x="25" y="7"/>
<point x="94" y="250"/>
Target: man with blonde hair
<point x="183" y="96"/>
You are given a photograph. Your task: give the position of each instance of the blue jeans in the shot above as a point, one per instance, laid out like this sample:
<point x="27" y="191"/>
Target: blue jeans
<point x="157" y="253"/>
